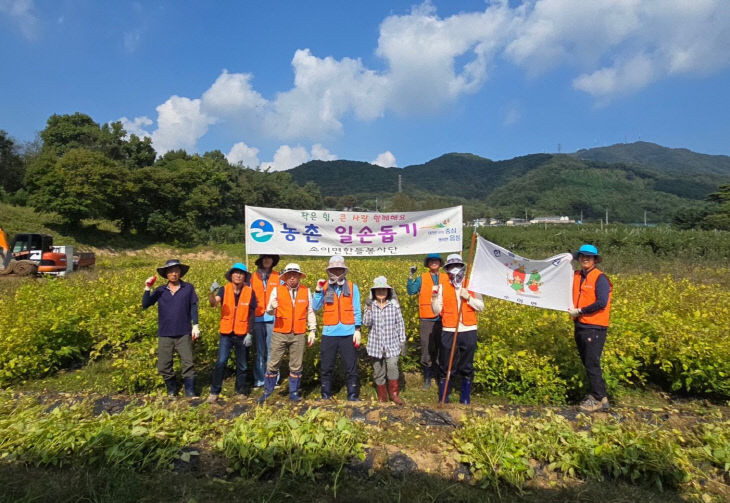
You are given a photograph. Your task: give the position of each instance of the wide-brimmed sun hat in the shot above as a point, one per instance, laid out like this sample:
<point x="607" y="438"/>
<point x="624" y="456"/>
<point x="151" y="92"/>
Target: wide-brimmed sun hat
<point x="292" y="268"/>
<point x="238" y="266"/>
<point x="382" y="282"/>
<point x="432" y="256"/>
<point x="162" y="271"/>
<point x="337" y="261"/>
<point x="261" y="258"/>
<point x="454" y="259"/>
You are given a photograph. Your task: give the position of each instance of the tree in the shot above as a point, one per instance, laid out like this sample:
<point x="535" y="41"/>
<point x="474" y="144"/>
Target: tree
<point x="11" y="164"/>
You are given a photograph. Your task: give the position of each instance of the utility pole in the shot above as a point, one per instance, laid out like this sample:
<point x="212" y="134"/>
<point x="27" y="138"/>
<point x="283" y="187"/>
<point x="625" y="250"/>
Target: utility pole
<point x="400" y="183"/>
<point x="376" y="205"/>
<point x="581" y="216"/>
<point x="644" y="218"/>
<point x="606" y="217"/>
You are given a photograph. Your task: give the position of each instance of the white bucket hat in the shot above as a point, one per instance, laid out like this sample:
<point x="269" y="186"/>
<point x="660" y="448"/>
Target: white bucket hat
<point x="381" y="282"/>
<point x="292" y="267"/>
<point x="454" y="259"/>
<point x="337" y="261"/>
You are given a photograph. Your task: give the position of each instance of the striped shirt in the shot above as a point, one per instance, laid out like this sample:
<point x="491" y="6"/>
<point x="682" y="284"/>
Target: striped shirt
<point x="387" y="330"/>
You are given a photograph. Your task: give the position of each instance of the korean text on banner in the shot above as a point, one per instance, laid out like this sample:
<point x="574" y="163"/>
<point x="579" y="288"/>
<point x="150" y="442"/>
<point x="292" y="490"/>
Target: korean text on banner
<point x="349" y="233"/>
<point x="499" y="273"/>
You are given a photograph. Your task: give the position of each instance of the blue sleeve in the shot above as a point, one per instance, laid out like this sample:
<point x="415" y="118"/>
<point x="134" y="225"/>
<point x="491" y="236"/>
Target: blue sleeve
<point x="413" y="286"/>
<point x="254" y="302"/>
<point x="149" y="299"/>
<point x="222" y="292"/>
<point x="356" y="305"/>
<point x="194" y="306"/>
<point x="318" y="300"/>
<point x="603" y="288"/>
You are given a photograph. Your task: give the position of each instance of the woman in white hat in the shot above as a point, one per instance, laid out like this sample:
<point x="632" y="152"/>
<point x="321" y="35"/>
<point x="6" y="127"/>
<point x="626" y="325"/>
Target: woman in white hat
<point x="386" y="337"/>
<point x="291" y="306"/>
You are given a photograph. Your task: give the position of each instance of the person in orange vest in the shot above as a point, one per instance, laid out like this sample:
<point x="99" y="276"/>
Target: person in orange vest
<point x="446" y="301"/>
<point x="341" y="331"/>
<point x="430" y="326"/>
<point x="591" y="309"/>
<point x="238" y="303"/>
<point x="263" y="281"/>
<point x="291" y="306"/>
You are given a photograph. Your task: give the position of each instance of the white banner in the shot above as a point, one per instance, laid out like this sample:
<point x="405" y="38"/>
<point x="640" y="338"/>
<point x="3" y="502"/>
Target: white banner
<point x="348" y="233"/>
<point x="499" y="273"/>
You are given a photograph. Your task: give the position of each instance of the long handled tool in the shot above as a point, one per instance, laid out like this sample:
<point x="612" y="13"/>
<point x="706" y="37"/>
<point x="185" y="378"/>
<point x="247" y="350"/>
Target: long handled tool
<point x="458" y="319"/>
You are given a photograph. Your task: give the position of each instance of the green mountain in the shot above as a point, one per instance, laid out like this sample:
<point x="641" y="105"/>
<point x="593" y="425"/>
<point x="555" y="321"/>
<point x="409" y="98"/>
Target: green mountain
<point x="627" y="180"/>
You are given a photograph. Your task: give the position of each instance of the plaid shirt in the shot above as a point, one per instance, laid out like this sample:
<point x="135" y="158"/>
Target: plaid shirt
<point x="387" y="330"/>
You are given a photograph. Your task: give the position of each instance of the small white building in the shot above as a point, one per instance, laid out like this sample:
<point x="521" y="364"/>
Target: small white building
<point x="552" y="220"/>
<point x="517" y="221"/>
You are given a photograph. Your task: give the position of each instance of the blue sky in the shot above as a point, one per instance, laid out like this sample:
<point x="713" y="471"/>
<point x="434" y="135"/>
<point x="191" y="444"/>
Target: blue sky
<point x="279" y="83"/>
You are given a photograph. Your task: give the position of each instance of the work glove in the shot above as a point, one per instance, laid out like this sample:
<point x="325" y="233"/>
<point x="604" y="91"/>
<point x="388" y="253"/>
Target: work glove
<point x="274" y="302"/>
<point x="196" y="332"/>
<point x="310" y="338"/>
<point x="149" y="282"/>
<point x="215" y="286"/>
<point x="465" y="294"/>
<point x="320" y="285"/>
<point x="248" y="340"/>
<point x="574" y="312"/>
<point x="356" y="338"/>
<point x="413" y="270"/>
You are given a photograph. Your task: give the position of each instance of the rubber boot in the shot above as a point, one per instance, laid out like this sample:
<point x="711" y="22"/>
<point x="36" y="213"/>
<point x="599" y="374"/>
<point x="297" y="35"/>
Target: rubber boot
<point x="269" y="385"/>
<point x="353" y="394"/>
<point x="465" y="397"/>
<point x="171" y="385"/>
<point x="326" y="390"/>
<point x="382" y="392"/>
<point x="294" y="380"/>
<point x="427" y="378"/>
<point x="242" y="387"/>
<point x="189" y="383"/>
<point x="442" y="385"/>
<point x="393" y="391"/>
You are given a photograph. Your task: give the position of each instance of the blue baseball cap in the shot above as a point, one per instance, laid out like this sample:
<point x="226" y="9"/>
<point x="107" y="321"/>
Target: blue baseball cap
<point x="587" y="250"/>
<point x="238" y="266"/>
<point x="432" y="256"/>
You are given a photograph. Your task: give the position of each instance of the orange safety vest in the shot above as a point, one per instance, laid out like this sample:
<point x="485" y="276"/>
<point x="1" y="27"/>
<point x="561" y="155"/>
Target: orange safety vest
<point x="424" y="296"/>
<point x="584" y="294"/>
<point x="291" y="318"/>
<point x="341" y="310"/>
<point x="450" y="309"/>
<point x="234" y="317"/>
<point x="263" y="295"/>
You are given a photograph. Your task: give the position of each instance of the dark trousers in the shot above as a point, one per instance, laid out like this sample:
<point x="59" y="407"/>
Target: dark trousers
<point x="430" y="343"/>
<point x="329" y="348"/>
<point x="466" y="346"/>
<point x="228" y="342"/>
<point x="262" y="331"/>
<point x="166" y="348"/>
<point x="590" y="341"/>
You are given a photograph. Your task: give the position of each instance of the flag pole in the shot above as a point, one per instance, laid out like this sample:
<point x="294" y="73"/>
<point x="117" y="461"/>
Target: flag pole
<point x="458" y="318"/>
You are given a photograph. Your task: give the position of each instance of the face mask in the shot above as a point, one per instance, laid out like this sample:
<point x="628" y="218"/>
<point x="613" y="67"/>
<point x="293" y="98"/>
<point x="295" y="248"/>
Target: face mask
<point x="456" y="274"/>
<point x="340" y="280"/>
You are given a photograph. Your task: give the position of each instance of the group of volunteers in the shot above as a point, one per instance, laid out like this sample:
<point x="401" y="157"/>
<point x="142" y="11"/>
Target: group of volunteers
<point x="275" y="313"/>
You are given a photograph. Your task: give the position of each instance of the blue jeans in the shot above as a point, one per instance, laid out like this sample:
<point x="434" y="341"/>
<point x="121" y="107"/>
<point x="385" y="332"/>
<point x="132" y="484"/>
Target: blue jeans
<point x="228" y="342"/>
<point x="262" y="340"/>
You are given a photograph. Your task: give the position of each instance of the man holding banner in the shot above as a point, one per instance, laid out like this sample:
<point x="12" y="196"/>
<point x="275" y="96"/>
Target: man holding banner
<point x="457" y="306"/>
<point x="341" y="331"/>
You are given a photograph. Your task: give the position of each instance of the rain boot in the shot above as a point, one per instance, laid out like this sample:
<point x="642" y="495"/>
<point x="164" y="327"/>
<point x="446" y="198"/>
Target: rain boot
<point x="465" y="397"/>
<point x="442" y="390"/>
<point x="353" y="394"/>
<point x="393" y="391"/>
<point x="294" y="380"/>
<point x="269" y="385"/>
<point x="326" y="390"/>
<point x="382" y="392"/>
<point x="171" y="385"/>
<point x="189" y="383"/>
<point x="426" y="378"/>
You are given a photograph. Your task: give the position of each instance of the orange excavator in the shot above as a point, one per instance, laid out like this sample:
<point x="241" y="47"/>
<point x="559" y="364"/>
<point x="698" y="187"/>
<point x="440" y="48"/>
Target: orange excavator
<point x="32" y="254"/>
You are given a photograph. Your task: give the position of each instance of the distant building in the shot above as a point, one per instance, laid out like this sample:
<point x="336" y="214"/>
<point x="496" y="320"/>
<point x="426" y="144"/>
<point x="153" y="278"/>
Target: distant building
<point x="517" y="221"/>
<point x="552" y="220"/>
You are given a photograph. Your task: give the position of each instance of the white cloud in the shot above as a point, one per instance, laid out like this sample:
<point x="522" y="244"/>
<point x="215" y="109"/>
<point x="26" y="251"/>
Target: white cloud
<point x="132" y="40"/>
<point x="137" y="126"/>
<point x="322" y="154"/>
<point x="22" y="12"/>
<point x="386" y="160"/>
<point x="287" y="157"/>
<point x="180" y="124"/>
<point x="243" y="154"/>
<point x="609" y="47"/>
<point x="512" y="115"/>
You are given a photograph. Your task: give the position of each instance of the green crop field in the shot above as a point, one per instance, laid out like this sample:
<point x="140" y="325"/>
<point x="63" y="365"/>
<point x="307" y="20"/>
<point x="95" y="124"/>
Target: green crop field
<point x="72" y="346"/>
